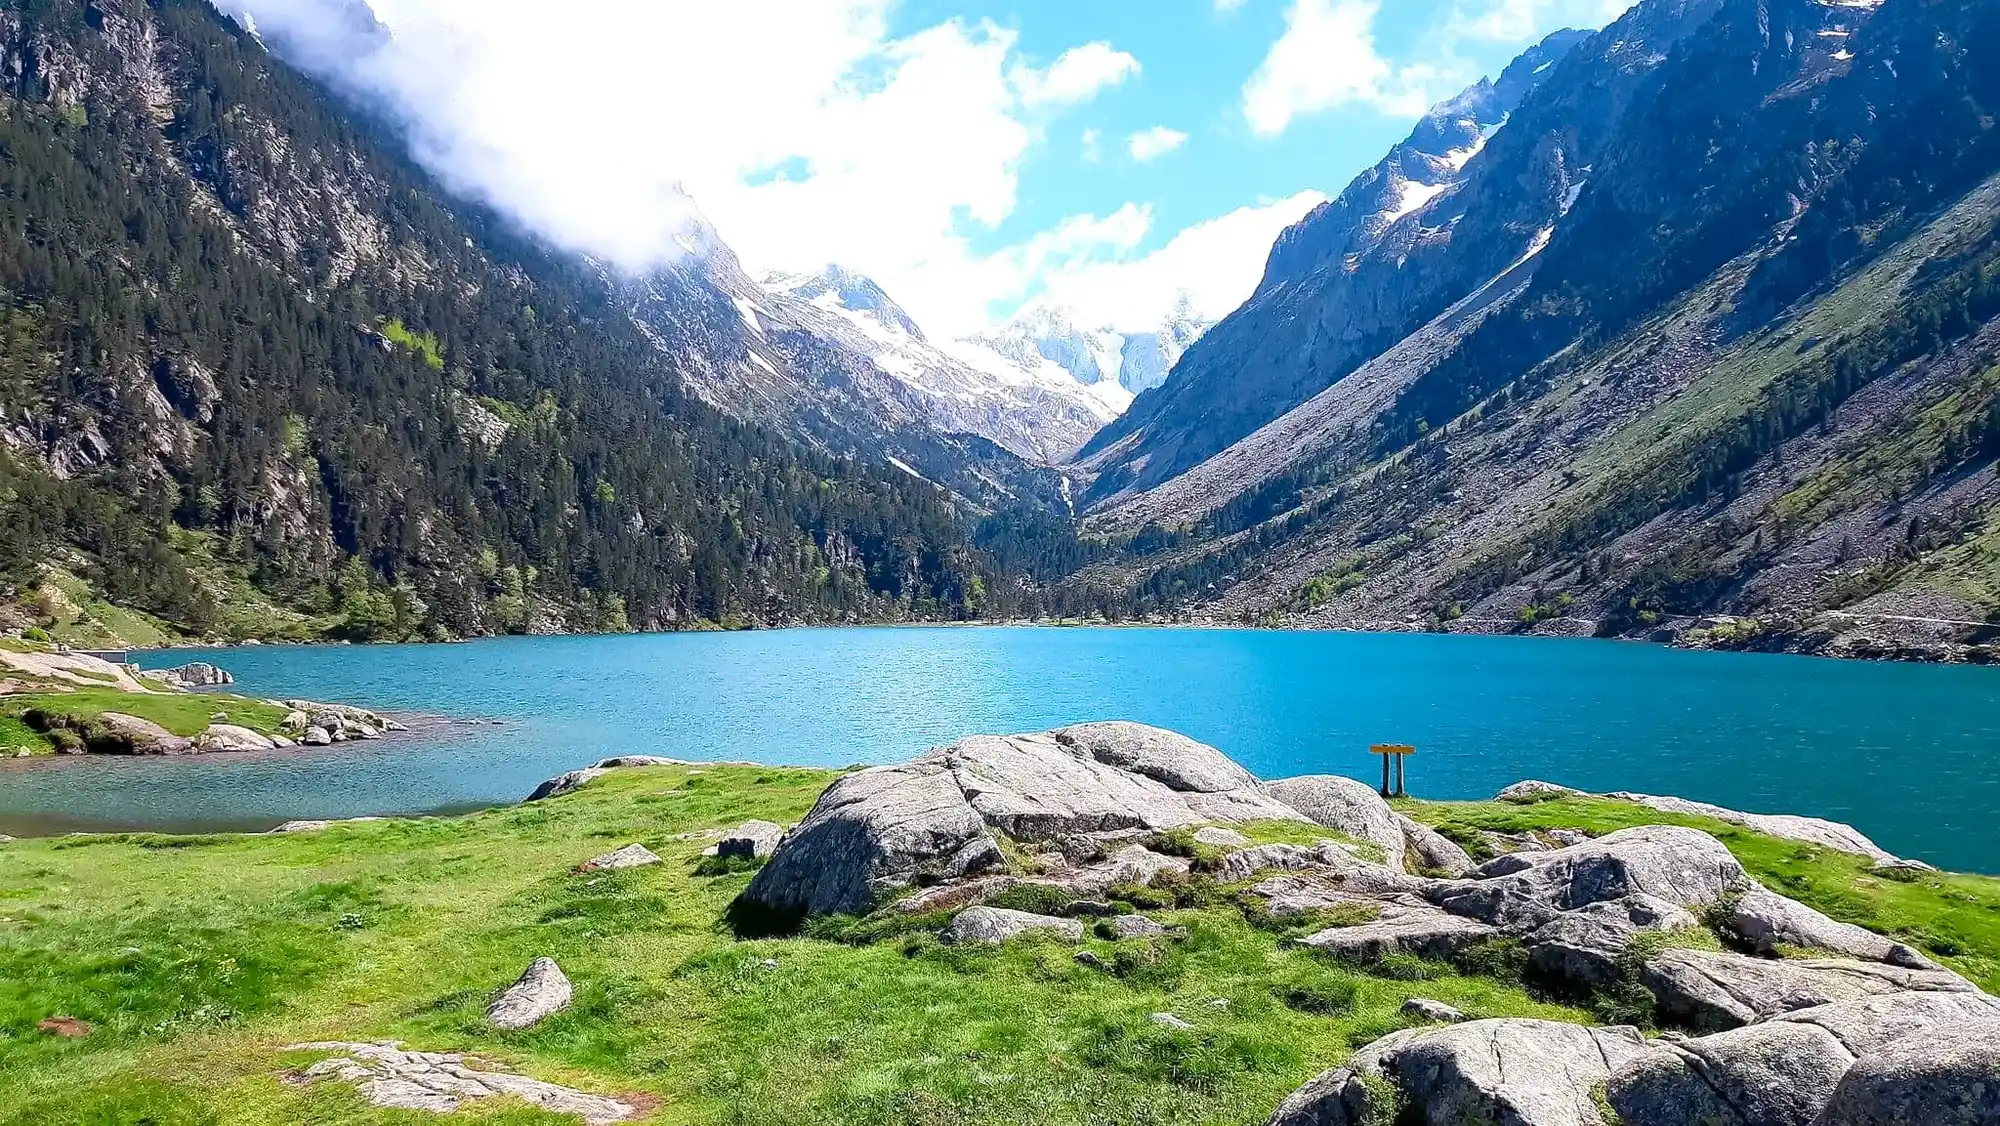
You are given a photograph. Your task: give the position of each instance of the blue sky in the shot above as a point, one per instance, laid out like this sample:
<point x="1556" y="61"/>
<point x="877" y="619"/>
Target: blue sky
<point x="972" y="155"/>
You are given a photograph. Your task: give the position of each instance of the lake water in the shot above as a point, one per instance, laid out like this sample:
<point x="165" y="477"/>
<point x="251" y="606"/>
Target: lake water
<point x="1910" y="754"/>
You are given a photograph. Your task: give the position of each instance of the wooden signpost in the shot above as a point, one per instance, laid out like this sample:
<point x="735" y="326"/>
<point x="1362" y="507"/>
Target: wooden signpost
<point x="1398" y="752"/>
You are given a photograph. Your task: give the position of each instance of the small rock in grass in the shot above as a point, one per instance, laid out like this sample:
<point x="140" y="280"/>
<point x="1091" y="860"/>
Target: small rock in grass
<point x="1089" y="909"/>
<point x="983" y="925"/>
<point x="1136" y="926"/>
<point x="631" y="856"/>
<point x="541" y="992"/>
<point x="1169" y="1020"/>
<point x="1423" y="1008"/>
<point x="752" y="840"/>
<point x="1090" y="960"/>
<point x="769" y="963"/>
<point x="1219" y="1003"/>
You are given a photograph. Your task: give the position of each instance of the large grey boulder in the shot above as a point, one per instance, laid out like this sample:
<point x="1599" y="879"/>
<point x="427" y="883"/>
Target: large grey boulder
<point x="1686" y="868"/>
<point x="1504" y="1072"/>
<point x="1427" y="849"/>
<point x="1712" y="991"/>
<point x="541" y="992"/>
<point x="1345" y="806"/>
<point x="994" y="925"/>
<point x="1776" y="1074"/>
<point x="938" y="818"/>
<point x="1782" y="1071"/>
<point x="752" y="840"/>
<point x="1947" y="1076"/>
<point x="1328" y="860"/>
<point x="1764" y="919"/>
<point x="1587" y="946"/>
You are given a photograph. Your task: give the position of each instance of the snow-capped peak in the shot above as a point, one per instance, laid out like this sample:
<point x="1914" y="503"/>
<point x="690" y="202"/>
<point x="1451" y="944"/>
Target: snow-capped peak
<point x="842" y="290"/>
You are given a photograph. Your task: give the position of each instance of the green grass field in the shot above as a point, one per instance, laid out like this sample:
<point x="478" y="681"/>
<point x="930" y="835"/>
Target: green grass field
<point x="197" y="960"/>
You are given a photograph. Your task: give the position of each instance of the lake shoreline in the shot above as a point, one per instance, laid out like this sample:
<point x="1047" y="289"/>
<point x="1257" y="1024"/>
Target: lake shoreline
<point x="1720" y="636"/>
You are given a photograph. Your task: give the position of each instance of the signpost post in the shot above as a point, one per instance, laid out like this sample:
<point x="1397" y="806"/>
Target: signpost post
<point x="1398" y="752"/>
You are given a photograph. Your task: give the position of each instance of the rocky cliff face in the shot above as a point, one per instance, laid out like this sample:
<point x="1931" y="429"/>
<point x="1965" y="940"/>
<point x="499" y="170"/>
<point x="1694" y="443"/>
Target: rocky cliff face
<point x="1407" y="238"/>
<point x="1709" y="339"/>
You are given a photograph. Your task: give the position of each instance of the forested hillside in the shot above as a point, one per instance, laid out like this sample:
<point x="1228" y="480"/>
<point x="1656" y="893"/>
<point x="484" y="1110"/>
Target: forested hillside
<point x="260" y="378"/>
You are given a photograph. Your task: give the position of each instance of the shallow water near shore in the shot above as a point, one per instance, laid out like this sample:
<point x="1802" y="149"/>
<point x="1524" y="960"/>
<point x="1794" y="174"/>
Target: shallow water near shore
<point x="1907" y="753"/>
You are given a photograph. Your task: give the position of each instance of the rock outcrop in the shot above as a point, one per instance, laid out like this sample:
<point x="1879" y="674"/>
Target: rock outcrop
<point x="542" y="991"/>
<point x="1948" y="1075"/>
<point x="941" y="817"/>
<point x="1346" y="806"/>
<point x="1785" y="1071"/>
<point x="228" y="737"/>
<point x="194" y="676"/>
<point x="442" y="1082"/>
<point x="1518" y="1072"/>
<point x="1714" y="991"/>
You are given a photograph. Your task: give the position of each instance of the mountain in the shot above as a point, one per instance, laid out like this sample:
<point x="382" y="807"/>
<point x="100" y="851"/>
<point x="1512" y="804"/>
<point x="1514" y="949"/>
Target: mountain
<point x="1357" y="273"/>
<point x="259" y="376"/>
<point x="1116" y="365"/>
<point x="1700" y="346"/>
<point x="1038" y="414"/>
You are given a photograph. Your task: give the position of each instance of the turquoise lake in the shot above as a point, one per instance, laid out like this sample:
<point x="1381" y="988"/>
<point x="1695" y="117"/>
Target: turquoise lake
<point x="1910" y="754"/>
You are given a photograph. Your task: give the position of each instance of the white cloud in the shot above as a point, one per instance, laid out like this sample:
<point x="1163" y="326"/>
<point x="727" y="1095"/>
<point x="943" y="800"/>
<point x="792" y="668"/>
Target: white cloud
<point x="1327" y="58"/>
<point x="1077" y="75"/>
<point x="1093" y="145"/>
<point x="1216" y="264"/>
<point x="1151" y="144"/>
<point x="1523" y="21"/>
<point x="831" y="141"/>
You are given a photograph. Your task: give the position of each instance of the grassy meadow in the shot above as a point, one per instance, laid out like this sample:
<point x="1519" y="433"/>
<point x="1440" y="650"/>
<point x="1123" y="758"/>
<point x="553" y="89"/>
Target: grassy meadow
<point x="197" y="960"/>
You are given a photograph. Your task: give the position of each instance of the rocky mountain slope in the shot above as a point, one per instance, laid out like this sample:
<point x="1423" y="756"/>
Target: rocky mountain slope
<point x="1116" y="365"/>
<point x="1352" y="277"/>
<point x="1036" y="411"/>
<point x="1737" y="389"/>
<point x="260" y="376"/>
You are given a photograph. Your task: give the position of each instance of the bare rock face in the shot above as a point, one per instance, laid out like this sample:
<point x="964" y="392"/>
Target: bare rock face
<point x="443" y="1082"/>
<point x="125" y="734"/>
<point x="1783" y="1071"/>
<point x="1428" y="850"/>
<point x="752" y="840"/>
<point x="1135" y="926"/>
<point x="631" y="856"/>
<point x="1713" y="991"/>
<point x="541" y="992"/>
<point x="994" y="925"/>
<point x="1948" y="1076"/>
<point x="1345" y="806"/>
<point x="1516" y="1072"/>
<point x="1784" y="826"/>
<point x="935" y="819"/>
